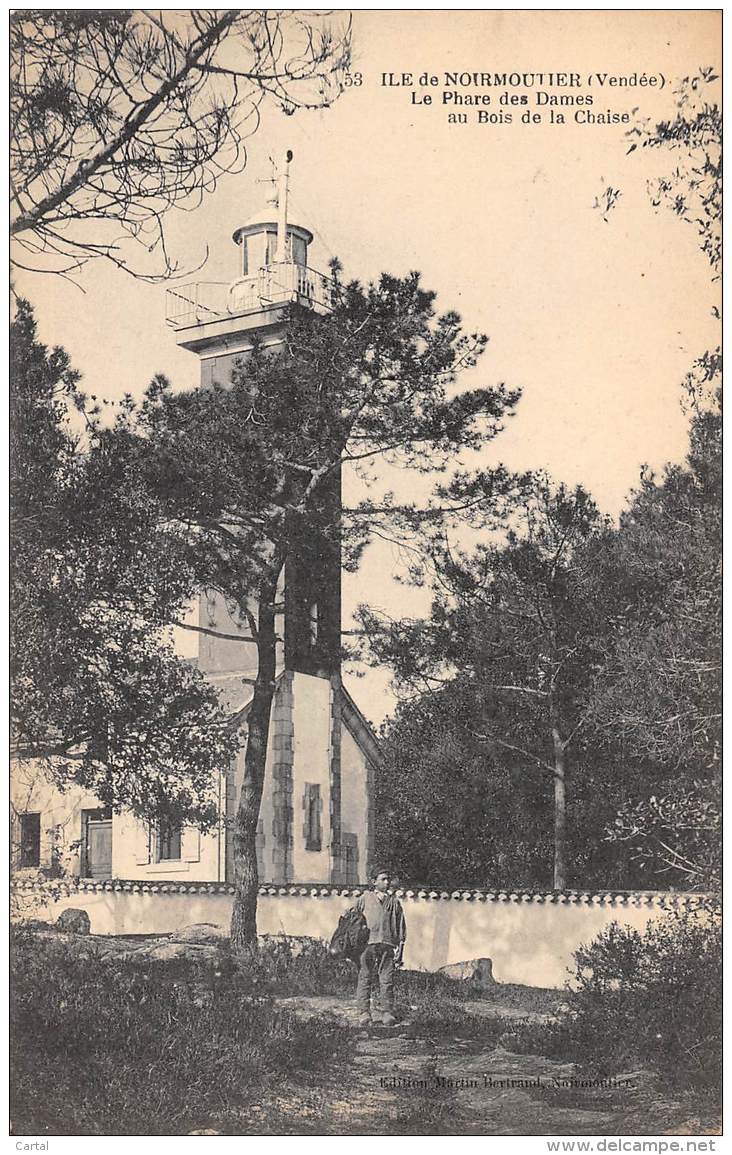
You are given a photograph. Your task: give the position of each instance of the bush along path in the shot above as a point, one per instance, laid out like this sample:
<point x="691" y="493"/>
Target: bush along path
<point x="115" y="1036"/>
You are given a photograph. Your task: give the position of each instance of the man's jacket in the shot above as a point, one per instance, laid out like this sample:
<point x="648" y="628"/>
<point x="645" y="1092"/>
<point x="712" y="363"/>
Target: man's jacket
<point x="384" y="917"/>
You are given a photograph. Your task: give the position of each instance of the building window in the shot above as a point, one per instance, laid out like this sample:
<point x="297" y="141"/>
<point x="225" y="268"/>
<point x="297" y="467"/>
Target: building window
<point x="312" y="805"/>
<point x="349" y="858"/>
<point x="30" y="840"/>
<point x="167" y="845"/>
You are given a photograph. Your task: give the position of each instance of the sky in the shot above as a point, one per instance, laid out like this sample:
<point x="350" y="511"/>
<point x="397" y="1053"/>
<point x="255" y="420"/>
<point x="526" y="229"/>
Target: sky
<point x="596" y="319"/>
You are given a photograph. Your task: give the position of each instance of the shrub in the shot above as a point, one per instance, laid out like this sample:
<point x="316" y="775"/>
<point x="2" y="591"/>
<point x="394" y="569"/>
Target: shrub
<point x="277" y="968"/>
<point x="651" y="997"/>
<point x="135" y="1048"/>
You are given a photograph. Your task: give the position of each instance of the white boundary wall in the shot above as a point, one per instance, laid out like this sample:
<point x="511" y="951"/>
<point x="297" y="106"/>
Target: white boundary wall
<point x="530" y="937"/>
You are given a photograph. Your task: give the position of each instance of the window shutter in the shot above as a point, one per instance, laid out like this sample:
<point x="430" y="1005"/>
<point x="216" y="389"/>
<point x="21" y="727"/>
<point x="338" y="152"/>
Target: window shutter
<point x="143" y="843"/>
<point x="190" y="844"/>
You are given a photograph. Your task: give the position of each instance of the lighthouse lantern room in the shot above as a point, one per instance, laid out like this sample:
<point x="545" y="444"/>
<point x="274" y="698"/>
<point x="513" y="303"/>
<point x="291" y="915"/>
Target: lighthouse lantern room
<point x="211" y="317"/>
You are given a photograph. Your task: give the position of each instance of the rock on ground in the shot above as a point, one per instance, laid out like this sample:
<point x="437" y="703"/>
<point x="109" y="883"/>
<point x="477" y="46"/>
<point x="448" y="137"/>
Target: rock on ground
<point x="74" y="921"/>
<point x="200" y="932"/>
<point x="157" y="951"/>
<point x="478" y="972"/>
<point x="297" y="944"/>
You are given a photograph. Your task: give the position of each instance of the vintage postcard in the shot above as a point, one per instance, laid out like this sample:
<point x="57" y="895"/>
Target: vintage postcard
<point x="365" y="573"/>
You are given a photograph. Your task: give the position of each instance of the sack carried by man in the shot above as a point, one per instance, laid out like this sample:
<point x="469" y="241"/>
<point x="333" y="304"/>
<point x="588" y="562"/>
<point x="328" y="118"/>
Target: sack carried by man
<point x="350" y="937"/>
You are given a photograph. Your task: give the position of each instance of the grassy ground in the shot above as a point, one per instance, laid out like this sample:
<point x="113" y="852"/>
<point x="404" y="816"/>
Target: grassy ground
<point x="102" y="1045"/>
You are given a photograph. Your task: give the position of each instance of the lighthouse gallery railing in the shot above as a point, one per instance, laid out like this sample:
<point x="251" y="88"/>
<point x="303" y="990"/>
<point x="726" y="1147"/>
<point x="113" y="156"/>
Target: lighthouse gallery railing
<point x="275" y="284"/>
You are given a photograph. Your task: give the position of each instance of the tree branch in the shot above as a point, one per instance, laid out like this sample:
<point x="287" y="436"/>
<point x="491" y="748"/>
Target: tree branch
<point x="214" y="633"/>
<point x="132" y="125"/>
<point x="490" y="738"/>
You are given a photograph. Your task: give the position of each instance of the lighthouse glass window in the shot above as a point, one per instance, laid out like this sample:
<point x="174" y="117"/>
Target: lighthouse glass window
<point x="270" y="254"/>
<point x="257" y="251"/>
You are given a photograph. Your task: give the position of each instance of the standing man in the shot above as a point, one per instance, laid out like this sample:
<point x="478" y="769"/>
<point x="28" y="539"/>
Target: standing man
<point x="385" y="948"/>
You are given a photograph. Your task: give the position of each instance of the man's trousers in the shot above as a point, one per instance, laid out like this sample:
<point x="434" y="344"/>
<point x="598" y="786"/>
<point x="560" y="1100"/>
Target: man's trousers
<point x="376" y="961"/>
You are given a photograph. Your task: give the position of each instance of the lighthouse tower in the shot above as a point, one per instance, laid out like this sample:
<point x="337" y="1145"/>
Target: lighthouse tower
<point x="316" y="822"/>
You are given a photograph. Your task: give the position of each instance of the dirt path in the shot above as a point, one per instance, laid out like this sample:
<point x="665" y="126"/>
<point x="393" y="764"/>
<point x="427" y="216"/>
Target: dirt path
<point x="400" y="1085"/>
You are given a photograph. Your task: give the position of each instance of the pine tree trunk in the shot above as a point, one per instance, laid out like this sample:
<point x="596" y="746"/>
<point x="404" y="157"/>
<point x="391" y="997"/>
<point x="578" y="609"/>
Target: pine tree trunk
<point x="560" y="811"/>
<point x="246" y="875"/>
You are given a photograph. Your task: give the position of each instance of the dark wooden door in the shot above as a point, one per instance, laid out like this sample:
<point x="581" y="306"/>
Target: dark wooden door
<point x="99" y="848"/>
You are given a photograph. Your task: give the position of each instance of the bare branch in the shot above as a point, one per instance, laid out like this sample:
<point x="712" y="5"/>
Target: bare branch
<point x="214" y="633"/>
<point x="118" y="116"/>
